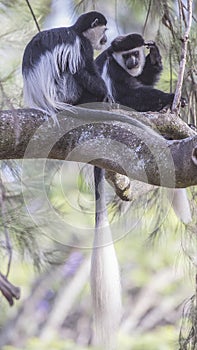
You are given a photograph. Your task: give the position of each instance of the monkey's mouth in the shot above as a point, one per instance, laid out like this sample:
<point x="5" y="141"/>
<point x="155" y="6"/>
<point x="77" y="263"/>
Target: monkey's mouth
<point x="103" y="40"/>
<point x="131" y="63"/>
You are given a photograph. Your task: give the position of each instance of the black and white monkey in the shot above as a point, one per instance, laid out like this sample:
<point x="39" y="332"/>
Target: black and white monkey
<point x="58" y="67"/>
<point x="130" y="76"/>
<point x="59" y="70"/>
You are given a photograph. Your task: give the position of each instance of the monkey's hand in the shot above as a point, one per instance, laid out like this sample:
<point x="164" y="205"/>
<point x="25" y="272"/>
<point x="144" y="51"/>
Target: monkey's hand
<point x="109" y="98"/>
<point x="155" y="57"/>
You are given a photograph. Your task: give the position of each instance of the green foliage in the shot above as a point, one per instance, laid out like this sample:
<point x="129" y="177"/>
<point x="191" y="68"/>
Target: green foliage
<point x="143" y="264"/>
<point x="162" y="338"/>
<point x="17" y="28"/>
<point x="56" y="344"/>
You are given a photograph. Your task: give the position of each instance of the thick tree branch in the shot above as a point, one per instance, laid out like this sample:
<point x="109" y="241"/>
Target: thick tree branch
<point x="97" y="137"/>
<point x="171" y="127"/>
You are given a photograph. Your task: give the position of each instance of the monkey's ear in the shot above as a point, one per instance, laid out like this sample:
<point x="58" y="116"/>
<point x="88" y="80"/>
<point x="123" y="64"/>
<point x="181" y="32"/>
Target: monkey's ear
<point x="95" y="23"/>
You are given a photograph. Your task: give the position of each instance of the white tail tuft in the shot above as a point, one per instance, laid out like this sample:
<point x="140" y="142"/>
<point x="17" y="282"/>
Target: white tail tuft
<point x="180" y="204"/>
<point x="105" y="280"/>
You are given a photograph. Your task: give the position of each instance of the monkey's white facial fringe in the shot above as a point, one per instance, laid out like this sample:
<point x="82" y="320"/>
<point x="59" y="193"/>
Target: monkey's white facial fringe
<point x="46" y="85"/>
<point x="105" y="287"/>
<point x="134" y="72"/>
<point x="95" y="36"/>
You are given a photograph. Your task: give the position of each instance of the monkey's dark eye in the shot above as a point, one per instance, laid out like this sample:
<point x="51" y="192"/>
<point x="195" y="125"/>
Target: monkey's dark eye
<point x="135" y="53"/>
<point x="126" y="55"/>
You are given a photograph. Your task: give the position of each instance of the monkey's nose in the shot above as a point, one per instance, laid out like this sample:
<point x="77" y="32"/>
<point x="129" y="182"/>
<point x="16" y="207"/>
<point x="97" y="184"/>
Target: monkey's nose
<point x="131" y="63"/>
<point x="103" y="40"/>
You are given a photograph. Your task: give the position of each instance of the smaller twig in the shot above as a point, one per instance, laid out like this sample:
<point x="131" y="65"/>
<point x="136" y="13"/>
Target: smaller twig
<point x="10" y="105"/>
<point x="170" y="60"/>
<point x="116" y="17"/>
<point x="33" y="15"/>
<point x="180" y="15"/>
<point x="5" y="97"/>
<point x="8" y="290"/>
<point x="193" y="17"/>
<point x="194" y="95"/>
<point x="184" y="40"/>
<point x="195" y="313"/>
<point x="9" y="250"/>
<point x="6" y="233"/>
<point x="147" y="17"/>
<point x="94" y="5"/>
<point x="166" y="19"/>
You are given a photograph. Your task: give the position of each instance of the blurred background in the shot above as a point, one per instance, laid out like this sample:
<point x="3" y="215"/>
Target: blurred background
<point x="46" y="230"/>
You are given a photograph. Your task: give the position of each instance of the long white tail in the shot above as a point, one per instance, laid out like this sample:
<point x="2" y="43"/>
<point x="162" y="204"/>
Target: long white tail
<point x="105" y="278"/>
<point x="180" y="204"/>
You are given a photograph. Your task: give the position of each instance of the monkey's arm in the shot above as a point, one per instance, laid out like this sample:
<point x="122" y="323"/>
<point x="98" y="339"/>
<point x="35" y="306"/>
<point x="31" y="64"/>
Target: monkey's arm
<point x="153" y="66"/>
<point x="92" y="83"/>
<point x="145" y="99"/>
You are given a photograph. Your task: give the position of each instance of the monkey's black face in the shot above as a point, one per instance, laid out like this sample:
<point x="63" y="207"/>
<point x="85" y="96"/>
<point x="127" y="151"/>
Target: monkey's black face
<point x="132" y="60"/>
<point x="97" y="36"/>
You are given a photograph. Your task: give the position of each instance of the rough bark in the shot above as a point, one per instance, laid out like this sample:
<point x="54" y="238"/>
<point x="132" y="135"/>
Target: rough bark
<point x="111" y="139"/>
